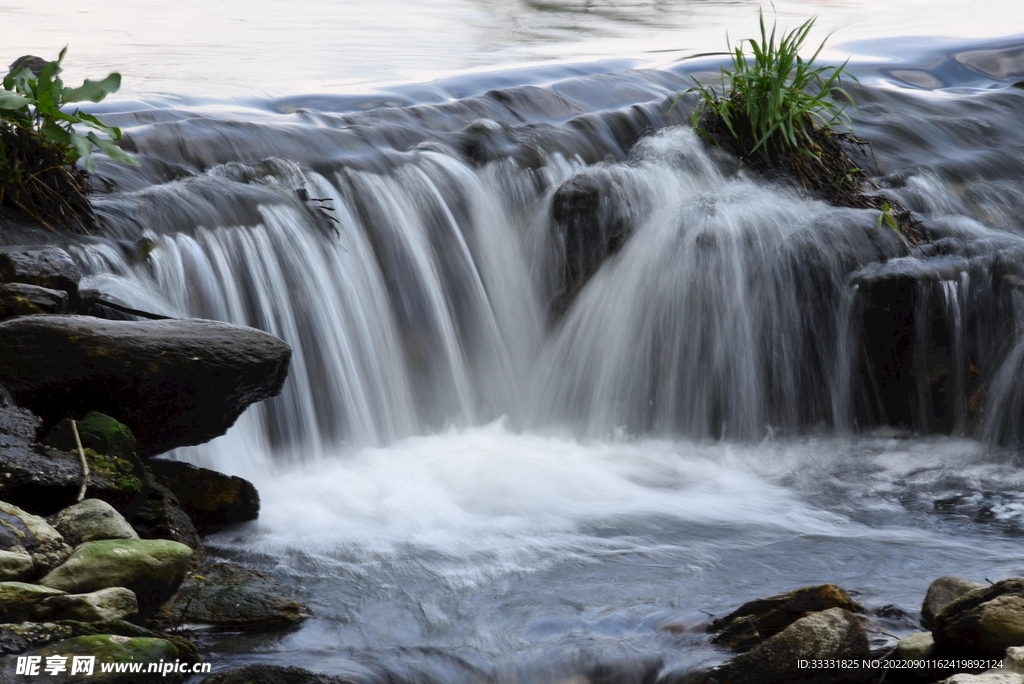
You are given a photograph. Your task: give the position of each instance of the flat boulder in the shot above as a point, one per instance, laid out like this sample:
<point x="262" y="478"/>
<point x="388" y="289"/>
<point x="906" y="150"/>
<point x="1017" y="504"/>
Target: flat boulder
<point x="984" y="622"/>
<point x="20" y="601"/>
<point x="18" y="299"/>
<point x="944" y="591"/>
<point x="208" y="497"/>
<point x="49" y="267"/>
<point x="172" y="382"/>
<point x="152" y="568"/>
<point x="835" y="634"/>
<point x="16" y="637"/>
<point x="769" y="616"/>
<point x="114" y="603"/>
<point x="91" y="520"/>
<point x="230" y="596"/>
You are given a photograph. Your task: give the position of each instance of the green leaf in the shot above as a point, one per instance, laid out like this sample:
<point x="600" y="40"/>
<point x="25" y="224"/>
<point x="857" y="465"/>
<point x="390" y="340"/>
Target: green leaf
<point x="93" y="91"/>
<point x="11" y="101"/>
<point x="113" y="151"/>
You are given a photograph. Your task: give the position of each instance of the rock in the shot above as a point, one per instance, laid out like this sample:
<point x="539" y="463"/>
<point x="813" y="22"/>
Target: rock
<point x="775" y="613"/>
<point x="1015" y="659"/>
<point x="593" y="214"/>
<point x="173" y="382"/>
<point x="208" y="497"/>
<point x="96" y="431"/>
<point x="833" y="634"/>
<point x="22" y="532"/>
<point x="272" y="674"/>
<point x="917" y="646"/>
<point x="21" y="636"/>
<point x="21" y="602"/>
<point x="17" y="637"/>
<point x="90" y="520"/>
<point x="152" y="568"/>
<point x="43" y="480"/>
<point x="740" y="635"/>
<point x="231" y="596"/>
<point x="630" y="671"/>
<point x="988" y="677"/>
<point x="111" y="648"/>
<point x="15" y="566"/>
<point x="920" y="648"/>
<point x="983" y="622"/>
<point x="49" y="267"/>
<point x="17" y="299"/>
<point x="114" y="603"/>
<point x="942" y="592"/>
<point x="159" y="516"/>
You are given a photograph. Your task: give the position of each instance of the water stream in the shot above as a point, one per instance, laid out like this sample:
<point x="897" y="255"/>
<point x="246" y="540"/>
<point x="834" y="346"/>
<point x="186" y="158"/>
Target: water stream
<point x="469" y="481"/>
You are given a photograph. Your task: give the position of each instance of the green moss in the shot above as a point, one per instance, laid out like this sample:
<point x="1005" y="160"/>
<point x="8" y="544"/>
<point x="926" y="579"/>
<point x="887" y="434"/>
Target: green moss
<point x="107" y="435"/>
<point x="114" y="649"/>
<point x="117" y="470"/>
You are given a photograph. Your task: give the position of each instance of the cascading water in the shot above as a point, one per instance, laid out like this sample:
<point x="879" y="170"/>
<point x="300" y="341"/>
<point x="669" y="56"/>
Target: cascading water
<point x="499" y="459"/>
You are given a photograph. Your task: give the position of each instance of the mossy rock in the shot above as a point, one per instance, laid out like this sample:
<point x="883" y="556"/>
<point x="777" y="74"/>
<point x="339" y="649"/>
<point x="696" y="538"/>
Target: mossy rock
<point x="99" y="432"/>
<point x="152" y="568"/>
<point x="112" y="648"/>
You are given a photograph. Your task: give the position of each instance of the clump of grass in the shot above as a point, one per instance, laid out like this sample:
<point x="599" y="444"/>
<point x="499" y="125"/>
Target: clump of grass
<point x="777" y="111"/>
<point x="42" y="144"/>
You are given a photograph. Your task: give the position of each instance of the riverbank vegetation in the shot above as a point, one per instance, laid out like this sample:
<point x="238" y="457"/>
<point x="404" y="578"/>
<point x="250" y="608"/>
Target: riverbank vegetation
<point x="785" y="116"/>
<point x="46" y="152"/>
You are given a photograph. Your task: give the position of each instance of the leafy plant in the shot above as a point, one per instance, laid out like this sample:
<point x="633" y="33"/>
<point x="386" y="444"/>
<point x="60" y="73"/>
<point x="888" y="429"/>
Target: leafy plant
<point x="43" y="142"/>
<point x="33" y="103"/>
<point x="775" y="98"/>
<point x="887" y="214"/>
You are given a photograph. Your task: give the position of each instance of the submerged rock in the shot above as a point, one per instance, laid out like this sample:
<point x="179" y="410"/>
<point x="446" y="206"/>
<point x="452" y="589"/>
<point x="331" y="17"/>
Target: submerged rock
<point x="91" y="520"/>
<point x="833" y="634"/>
<point x="773" y="614"/>
<point x="152" y="568"/>
<point x="272" y="674"/>
<point x="944" y="591"/>
<point x="174" y="382"/>
<point x="983" y="622"/>
<point x="231" y="596"/>
<point x="208" y="497"/>
<point x="22" y="532"/>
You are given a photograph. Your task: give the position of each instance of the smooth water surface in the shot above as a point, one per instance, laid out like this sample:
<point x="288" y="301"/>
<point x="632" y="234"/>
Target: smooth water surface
<point x="239" y="49"/>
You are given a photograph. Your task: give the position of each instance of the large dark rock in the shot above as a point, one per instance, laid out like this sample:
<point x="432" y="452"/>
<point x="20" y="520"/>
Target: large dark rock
<point x="231" y="596"/>
<point x="984" y="622"/>
<point x="272" y="674"/>
<point x="208" y="497"/>
<point x="829" y="635"/>
<point x="49" y="267"/>
<point x="159" y="516"/>
<point x="174" y="382"/>
<point x="766" y="617"/>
